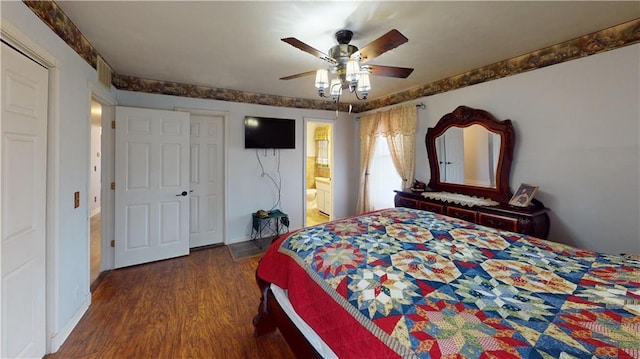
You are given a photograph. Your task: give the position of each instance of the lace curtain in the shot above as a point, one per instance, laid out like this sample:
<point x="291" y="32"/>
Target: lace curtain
<point x="398" y="126"/>
<point x="368" y="136"/>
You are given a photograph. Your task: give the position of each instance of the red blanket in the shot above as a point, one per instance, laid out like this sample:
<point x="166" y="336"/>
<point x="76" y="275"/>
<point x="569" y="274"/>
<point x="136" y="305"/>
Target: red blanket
<point x="342" y="332"/>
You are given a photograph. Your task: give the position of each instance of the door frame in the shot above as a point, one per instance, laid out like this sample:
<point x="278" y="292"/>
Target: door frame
<point x="225" y="156"/>
<point x="98" y="93"/>
<point x="21" y="42"/>
<point x="331" y="122"/>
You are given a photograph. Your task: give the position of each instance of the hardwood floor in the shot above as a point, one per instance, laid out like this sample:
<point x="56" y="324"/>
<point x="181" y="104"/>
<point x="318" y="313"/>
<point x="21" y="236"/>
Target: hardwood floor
<point x="197" y="306"/>
<point x="95" y="246"/>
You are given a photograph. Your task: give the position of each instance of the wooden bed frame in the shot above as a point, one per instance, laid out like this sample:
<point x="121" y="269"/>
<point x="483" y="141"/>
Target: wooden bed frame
<point x="271" y="316"/>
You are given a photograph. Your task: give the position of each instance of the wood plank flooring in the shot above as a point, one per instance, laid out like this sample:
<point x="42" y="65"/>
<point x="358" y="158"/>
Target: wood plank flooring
<point x="197" y="306"/>
<point x="94" y="246"/>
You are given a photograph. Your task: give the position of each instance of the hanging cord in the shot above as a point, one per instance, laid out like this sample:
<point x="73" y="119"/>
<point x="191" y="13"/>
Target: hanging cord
<point x="277" y="184"/>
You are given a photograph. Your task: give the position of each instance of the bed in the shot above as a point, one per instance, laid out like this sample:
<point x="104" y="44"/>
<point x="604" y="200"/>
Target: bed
<point x="409" y="283"/>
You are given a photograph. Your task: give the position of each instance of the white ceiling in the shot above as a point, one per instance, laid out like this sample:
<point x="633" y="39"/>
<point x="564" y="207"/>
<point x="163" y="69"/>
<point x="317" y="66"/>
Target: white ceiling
<point x="236" y="44"/>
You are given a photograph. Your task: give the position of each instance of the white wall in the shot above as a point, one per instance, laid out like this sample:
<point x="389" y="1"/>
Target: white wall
<point x="70" y="239"/>
<point x="577" y="135"/>
<point x="247" y="190"/>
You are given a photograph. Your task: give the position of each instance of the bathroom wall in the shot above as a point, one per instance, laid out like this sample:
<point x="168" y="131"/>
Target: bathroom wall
<point x="311" y="174"/>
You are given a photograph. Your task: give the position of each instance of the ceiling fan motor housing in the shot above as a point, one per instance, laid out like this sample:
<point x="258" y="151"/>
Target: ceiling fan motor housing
<point x="342" y="52"/>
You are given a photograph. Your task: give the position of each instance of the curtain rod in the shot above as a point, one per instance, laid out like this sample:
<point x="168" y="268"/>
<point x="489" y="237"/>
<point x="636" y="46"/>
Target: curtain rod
<point x="419" y="105"/>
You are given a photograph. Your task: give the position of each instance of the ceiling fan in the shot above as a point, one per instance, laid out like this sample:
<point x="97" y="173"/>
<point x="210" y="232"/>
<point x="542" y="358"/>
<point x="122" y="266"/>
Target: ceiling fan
<point x="349" y="64"/>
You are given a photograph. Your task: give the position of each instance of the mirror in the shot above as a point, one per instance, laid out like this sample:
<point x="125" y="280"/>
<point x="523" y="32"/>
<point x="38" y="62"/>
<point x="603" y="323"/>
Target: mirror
<point x="468" y="156"/>
<point x="470" y="152"/>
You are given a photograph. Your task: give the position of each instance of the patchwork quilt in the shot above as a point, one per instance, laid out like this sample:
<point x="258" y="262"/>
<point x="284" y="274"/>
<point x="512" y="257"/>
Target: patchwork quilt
<point x="408" y="283"/>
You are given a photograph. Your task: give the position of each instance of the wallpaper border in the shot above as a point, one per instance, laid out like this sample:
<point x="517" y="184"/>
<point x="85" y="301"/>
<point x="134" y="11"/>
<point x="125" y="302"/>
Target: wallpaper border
<point x="604" y="40"/>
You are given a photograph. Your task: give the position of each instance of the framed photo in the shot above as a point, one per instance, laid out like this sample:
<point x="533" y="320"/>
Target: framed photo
<point x="523" y="196"/>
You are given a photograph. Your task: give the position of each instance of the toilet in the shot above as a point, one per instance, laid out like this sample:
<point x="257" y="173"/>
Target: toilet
<point x="311" y="198"/>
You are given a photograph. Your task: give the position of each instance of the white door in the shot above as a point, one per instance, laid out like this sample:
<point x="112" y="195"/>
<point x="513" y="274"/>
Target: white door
<point x="206" y="203"/>
<point x="454" y="156"/>
<point x="152" y="185"/>
<point x="23" y="183"/>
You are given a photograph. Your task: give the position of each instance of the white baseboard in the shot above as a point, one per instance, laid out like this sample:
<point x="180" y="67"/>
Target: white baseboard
<point x="247" y="239"/>
<point x="58" y="339"/>
<point x="237" y="240"/>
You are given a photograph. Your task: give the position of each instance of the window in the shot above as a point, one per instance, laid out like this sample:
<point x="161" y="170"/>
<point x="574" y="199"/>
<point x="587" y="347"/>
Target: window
<point x="383" y="177"/>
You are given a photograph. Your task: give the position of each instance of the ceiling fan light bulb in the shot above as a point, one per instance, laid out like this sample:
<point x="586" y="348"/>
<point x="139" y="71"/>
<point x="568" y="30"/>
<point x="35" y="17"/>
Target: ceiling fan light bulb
<point x="353" y="70"/>
<point x="364" y="84"/>
<point x="322" y="79"/>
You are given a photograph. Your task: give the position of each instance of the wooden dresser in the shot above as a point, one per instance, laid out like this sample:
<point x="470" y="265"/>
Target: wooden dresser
<point x="470" y="153"/>
<point x="532" y="220"/>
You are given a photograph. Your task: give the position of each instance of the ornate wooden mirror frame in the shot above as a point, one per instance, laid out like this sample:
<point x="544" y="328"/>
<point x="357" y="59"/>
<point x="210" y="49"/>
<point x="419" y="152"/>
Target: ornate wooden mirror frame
<point x="464" y="117"/>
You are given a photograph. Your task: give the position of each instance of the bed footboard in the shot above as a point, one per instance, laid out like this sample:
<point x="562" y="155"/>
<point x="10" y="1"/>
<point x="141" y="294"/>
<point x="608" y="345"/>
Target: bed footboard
<point x="271" y="316"/>
<point x="262" y="322"/>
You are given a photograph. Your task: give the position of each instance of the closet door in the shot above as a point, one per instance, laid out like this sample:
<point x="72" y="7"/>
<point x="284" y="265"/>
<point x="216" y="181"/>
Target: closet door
<point x="23" y="153"/>
<point x="206" y="209"/>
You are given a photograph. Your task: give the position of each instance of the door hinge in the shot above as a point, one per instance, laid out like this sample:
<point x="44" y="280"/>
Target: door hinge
<point x="113" y="185"/>
<point x="113" y="124"/>
<point x="113" y="243"/>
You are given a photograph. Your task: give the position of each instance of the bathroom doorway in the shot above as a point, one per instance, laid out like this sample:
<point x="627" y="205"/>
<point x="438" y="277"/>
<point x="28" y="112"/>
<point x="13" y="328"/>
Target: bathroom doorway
<point x="318" y="171"/>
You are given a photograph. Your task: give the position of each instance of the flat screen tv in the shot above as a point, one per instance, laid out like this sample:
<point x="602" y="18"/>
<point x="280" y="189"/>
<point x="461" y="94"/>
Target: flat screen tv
<point x="265" y="132"/>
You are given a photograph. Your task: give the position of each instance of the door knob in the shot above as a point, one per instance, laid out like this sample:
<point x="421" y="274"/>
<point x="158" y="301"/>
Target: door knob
<point x="184" y="193"/>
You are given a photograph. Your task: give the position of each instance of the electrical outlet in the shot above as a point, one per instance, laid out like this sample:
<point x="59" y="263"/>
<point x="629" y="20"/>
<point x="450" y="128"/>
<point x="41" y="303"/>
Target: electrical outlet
<point x="76" y="200"/>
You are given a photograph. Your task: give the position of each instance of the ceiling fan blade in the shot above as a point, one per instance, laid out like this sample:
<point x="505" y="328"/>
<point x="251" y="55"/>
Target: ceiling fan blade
<point x="291" y="77"/>
<point x="379" y="46"/>
<point x="308" y="49"/>
<point x="390" y="71"/>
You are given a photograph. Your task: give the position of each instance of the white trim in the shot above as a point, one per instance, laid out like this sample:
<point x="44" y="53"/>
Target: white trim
<point x="24" y="44"/>
<point x="225" y="124"/>
<point x="331" y="122"/>
<point x="59" y="338"/>
<point x="107" y="197"/>
<point x="16" y="38"/>
<point x="53" y="201"/>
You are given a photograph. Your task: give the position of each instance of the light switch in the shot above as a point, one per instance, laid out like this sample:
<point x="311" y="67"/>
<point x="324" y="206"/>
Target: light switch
<point x="76" y="200"/>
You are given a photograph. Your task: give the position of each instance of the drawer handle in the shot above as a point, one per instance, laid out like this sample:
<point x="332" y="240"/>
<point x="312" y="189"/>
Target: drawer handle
<point x="494" y="223"/>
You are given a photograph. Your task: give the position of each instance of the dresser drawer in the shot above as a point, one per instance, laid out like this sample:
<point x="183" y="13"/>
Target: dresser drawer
<point x="431" y="207"/>
<point x="466" y="214"/>
<point x="499" y="222"/>
<point x="406" y="202"/>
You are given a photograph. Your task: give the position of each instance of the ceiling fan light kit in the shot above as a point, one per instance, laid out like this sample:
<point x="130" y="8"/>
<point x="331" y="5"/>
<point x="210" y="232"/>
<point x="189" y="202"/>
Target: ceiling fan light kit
<point x="347" y="64"/>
